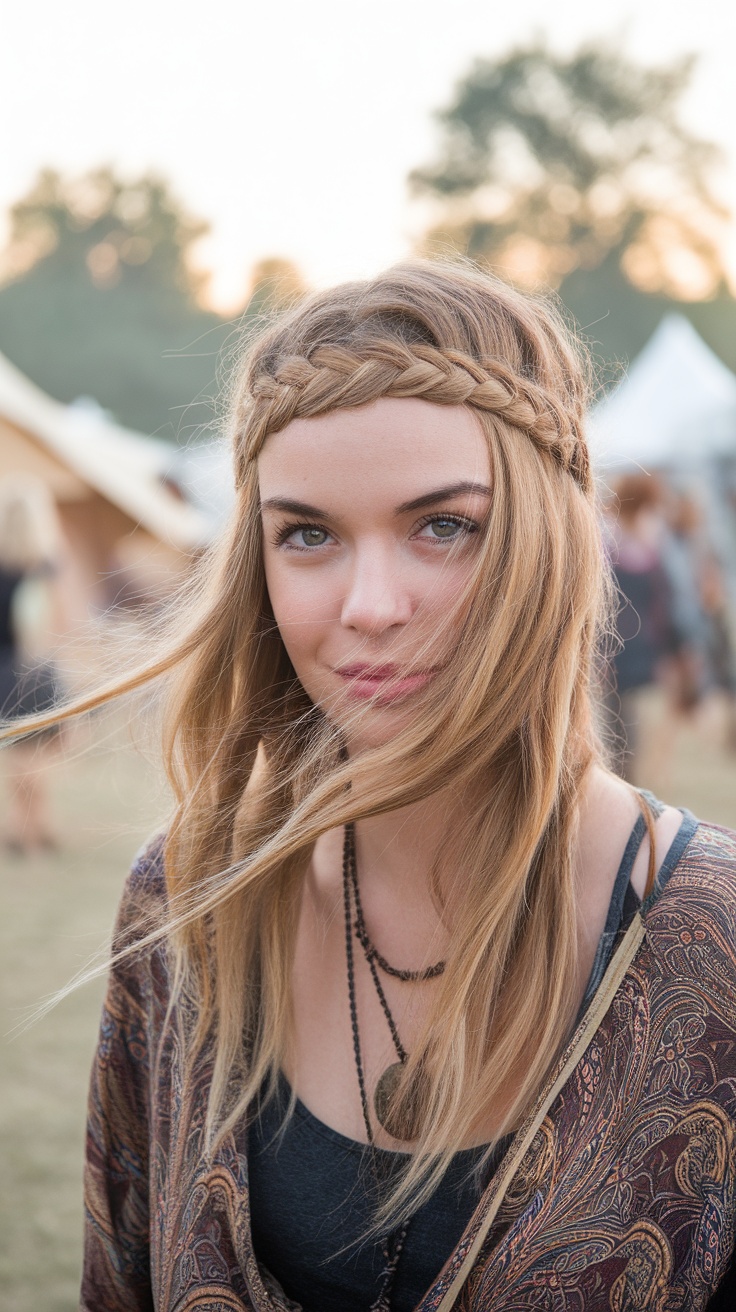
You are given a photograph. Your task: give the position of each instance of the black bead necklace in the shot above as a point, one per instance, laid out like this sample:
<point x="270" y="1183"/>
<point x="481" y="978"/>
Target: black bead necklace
<point x="371" y="952"/>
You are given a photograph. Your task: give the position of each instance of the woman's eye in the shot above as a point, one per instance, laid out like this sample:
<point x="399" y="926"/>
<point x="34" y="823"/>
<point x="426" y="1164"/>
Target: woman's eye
<point x="311" y="537"/>
<point x="306" y="535"/>
<point x="444" y="528"/>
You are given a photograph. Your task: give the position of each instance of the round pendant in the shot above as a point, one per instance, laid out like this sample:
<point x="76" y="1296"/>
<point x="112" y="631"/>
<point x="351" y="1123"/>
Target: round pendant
<point x="399" y="1125"/>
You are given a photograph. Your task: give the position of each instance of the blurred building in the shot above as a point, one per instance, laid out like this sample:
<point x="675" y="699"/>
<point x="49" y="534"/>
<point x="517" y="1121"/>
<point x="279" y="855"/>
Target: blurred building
<point x="130" y="526"/>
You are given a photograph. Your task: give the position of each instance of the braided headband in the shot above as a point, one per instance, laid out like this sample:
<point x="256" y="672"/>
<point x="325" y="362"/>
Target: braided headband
<point x="334" y="377"/>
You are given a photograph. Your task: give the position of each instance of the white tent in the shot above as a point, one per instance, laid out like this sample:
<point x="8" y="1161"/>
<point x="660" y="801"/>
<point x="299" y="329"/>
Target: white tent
<point x="676" y="406"/>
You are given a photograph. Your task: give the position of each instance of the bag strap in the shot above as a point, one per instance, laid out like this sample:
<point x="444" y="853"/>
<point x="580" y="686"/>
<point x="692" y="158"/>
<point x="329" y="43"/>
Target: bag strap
<point x="632" y="940"/>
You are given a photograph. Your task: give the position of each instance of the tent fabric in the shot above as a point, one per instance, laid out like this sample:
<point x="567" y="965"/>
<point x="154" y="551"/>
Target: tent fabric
<point x="676" y="406"/>
<point x="127" y="468"/>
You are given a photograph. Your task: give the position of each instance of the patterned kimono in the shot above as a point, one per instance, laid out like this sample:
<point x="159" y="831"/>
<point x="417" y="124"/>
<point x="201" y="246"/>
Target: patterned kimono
<point x="619" y="1193"/>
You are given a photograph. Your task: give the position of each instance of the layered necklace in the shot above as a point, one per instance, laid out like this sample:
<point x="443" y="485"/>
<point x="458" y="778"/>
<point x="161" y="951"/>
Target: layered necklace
<point x="404" y="1126"/>
<point x="399" y="1127"/>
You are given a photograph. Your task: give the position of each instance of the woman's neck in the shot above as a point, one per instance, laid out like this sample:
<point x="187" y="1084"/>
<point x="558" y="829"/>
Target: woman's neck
<point x="398" y="850"/>
<point x="395" y="855"/>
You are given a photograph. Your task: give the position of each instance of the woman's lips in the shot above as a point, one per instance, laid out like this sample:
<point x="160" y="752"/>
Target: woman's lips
<point x="383" y="683"/>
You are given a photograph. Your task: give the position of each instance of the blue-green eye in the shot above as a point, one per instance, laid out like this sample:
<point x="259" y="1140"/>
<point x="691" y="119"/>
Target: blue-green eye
<point x="301" y="537"/>
<point x="446" y="528"/>
<point x="311" y="537"/>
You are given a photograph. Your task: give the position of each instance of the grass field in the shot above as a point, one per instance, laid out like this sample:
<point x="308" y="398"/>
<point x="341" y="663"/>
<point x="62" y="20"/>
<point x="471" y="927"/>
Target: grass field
<point x="55" y="911"/>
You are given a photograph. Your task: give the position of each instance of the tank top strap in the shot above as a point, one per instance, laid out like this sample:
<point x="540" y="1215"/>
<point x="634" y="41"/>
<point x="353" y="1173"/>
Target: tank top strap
<point x="623" y="899"/>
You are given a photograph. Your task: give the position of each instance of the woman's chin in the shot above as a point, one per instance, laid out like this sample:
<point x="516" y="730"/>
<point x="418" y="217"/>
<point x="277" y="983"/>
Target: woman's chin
<point x="358" y="744"/>
<point x="377" y="727"/>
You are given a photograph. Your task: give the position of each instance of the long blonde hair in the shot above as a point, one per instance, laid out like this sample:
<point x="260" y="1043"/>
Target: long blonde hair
<point x="509" y="719"/>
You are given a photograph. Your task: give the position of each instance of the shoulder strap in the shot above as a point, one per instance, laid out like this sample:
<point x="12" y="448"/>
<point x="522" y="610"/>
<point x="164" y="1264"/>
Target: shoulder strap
<point x="630" y="944"/>
<point x="646" y="811"/>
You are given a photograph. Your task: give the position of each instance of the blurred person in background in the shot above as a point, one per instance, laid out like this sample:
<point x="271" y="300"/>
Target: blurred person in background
<point x="651" y="644"/>
<point x="721" y="654"/>
<point x="683" y="555"/>
<point x="30" y="622"/>
<point x="705" y="662"/>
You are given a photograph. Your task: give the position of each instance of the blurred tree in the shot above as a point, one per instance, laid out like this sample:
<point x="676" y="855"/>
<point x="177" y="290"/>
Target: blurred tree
<point x="275" y="284"/>
<point x="549" y="165"/>
<point x="617" y="319"/>
<point x="99" y="297"/>
<point x="111" y="226"/>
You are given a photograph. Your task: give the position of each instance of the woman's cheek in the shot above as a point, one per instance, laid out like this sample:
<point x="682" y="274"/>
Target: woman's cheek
<point x="299" y="597"/>
<point x="302" y="628"/>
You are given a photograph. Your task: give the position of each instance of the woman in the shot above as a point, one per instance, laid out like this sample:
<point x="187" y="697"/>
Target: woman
<point x="415" y="1004"/>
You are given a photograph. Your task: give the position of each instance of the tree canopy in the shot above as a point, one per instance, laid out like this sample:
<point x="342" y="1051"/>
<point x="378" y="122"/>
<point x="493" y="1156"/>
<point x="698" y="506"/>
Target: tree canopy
<point x="548" y="164"/>
<point x="115" y="228"/>
<point x="99" y="297"/>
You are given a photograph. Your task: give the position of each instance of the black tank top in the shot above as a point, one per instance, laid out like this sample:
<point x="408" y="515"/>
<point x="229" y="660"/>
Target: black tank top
<point x="313" y="1192"/>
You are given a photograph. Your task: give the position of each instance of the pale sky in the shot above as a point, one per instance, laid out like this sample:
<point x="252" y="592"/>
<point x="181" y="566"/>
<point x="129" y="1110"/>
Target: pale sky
<point x="292" y="126"/>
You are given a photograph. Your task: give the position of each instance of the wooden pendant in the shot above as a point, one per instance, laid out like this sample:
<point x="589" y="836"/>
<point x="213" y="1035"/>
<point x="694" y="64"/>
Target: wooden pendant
<point x="400" y="1124"/>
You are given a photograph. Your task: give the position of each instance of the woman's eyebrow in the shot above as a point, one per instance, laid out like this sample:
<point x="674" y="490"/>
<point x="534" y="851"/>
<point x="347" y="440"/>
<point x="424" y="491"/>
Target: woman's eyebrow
<point x="443" y="494"/>
<point x="289" y="507"/>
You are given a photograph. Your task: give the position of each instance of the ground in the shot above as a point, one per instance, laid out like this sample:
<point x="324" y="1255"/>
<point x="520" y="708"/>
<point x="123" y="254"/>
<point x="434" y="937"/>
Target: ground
<point x="55" y="912"/>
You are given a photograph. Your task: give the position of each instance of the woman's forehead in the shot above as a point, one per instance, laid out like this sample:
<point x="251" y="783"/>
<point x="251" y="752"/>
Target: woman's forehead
<point x="390" y="441"/>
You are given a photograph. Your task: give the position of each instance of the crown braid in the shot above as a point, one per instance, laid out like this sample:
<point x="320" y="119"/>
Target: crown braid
<point x="334" y="377"/>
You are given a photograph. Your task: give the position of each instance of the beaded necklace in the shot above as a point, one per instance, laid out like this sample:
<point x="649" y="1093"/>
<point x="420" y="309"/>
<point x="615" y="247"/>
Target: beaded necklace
<point x="406" y="1126"/>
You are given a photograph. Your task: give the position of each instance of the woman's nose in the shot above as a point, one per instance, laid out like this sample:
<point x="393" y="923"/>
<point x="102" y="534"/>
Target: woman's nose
<point x="377" y="597"/>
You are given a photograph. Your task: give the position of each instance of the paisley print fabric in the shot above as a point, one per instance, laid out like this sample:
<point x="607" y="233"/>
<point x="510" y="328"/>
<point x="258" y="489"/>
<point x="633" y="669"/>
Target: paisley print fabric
<point x="626" y="1199"/>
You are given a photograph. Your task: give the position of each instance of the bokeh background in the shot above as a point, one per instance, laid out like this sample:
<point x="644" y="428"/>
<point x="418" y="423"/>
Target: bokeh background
<point x="172" y="172"/>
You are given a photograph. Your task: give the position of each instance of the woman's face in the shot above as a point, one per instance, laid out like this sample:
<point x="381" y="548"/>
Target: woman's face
<point x="371" y="522"/>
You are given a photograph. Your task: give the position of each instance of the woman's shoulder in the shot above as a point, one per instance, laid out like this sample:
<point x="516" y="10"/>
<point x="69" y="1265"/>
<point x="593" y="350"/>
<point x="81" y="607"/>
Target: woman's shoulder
<point x="697" y="879"/>
<point x="703" y="851"/>
<point x="143" y="904"/>
<point x="147" y="869"/>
